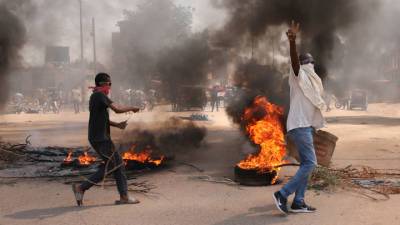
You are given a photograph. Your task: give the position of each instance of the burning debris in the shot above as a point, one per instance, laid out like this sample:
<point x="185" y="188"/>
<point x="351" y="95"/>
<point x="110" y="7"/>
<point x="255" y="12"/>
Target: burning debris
<point x="151" y="149"/>
<point x="58" y="163"/>
<point x="262" y="121"/>
<point x="63" y="162"/>
<point x="133" y="160"/>
<point x="86" y="159"/>
<point x="83" y="160"/>
<point x="254" y="80"/>
<point x="141" y="160"/>
<point x="145" y="153"/>
<point x="69" y="158"/>
<point x="264" y="129"/>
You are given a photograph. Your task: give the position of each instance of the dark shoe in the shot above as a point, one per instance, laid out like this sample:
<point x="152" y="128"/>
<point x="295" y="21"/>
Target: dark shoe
<point x="302" y="208"/>
<point x="280" y="202"/>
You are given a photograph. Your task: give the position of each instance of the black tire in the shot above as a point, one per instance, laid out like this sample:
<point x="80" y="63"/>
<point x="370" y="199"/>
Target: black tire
<point x="254" y="177"/>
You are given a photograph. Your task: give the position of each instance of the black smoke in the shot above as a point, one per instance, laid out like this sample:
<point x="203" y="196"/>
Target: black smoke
<point x="183" y="70"/>
<point x="320" y="20"/>
<point x="172" y="136"/>
<point x="330" y="30"/>
<point x="253" y="79"/>
<point x="12" y="39"/>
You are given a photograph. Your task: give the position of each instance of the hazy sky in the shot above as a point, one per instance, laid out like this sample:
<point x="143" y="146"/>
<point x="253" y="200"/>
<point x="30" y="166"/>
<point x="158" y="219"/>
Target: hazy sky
<point x="204" y="15"/>
<point x="59" y="25"/>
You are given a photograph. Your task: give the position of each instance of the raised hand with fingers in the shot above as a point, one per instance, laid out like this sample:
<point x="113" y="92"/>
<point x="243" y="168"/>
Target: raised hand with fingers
<point x="294" y="29"/>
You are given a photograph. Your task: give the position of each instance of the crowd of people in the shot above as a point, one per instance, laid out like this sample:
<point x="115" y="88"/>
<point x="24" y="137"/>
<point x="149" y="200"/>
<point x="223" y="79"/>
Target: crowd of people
<point x="42" y="101"/>
<point x="220" y="95"/>
<point x="55" y="100"/>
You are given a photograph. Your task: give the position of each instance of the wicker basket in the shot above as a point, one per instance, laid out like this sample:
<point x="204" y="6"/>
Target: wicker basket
<point x="324" y="143"/>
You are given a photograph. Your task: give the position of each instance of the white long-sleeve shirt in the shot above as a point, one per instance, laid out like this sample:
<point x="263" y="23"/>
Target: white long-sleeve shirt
<point x="302" y="112"/>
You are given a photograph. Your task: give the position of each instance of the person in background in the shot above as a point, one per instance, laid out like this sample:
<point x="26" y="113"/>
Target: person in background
<point x="328" y="93"/>
<point x="214" y="98"/>
<point x="76" y="99"/>
<point x="54" y="98"/>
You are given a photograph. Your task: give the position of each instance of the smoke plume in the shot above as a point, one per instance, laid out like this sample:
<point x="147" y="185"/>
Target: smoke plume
<point x="56" y="22"/>
<point x="320" y="21"/>
<point x="253" y="25"/>
<point x="169" y="137"/>
<point x="12" y="39"/>
<point x="183" y="70"/>
<point x="253" y="80"/>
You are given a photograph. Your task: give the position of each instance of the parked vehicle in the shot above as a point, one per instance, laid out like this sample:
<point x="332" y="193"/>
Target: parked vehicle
<point x="191" y="98"/>
<point x="359" y="99"/>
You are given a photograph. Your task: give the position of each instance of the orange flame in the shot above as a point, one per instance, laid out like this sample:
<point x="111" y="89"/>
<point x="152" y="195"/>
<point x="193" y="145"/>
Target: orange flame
<point x="264" y="128"/>
<point x="86" y="159"/>
<point x="143" y="157"/>
<point x="69" y="157"/>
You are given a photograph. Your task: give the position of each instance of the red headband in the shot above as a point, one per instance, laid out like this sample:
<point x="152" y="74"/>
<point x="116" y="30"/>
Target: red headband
<point x="105" y="89"/>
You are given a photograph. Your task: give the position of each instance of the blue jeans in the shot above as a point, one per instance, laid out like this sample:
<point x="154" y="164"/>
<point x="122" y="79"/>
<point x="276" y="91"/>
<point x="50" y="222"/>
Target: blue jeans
<point x="303" y="139"/>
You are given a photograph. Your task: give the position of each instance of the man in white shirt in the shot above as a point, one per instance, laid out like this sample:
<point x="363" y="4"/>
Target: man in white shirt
<point x="304" y="117"/>
<point x="76" y="98"/>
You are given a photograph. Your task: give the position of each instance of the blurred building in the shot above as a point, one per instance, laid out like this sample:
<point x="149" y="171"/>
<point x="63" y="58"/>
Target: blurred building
<point x="57" y="55"/>
<point x="57" y="72"/>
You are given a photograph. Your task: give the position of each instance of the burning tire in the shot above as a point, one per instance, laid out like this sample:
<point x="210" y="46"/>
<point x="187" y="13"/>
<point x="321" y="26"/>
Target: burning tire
<point x="254" y="177"/>
<point x="137" y="165"/>
<point x="263" y="123"/>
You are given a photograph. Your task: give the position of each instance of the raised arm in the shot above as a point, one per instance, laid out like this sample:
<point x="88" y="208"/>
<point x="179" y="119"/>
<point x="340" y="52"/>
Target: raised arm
<point x="121" y="125"/>
<point x="122" y="109"/>
<point x="292" y="34"/>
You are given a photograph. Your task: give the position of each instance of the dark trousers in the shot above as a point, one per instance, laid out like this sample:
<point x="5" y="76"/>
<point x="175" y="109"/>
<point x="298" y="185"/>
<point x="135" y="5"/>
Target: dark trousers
<point x="214" y="104"/>
<point x="113" y="160"/>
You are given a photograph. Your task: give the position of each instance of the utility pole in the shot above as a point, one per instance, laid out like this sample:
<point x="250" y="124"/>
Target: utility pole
<point x="94" y="45"/>
<point x="81" y="27"/>
<point x="83" y="87"/>
<point x="252" y="47"/>
<point x="273" y="51"/>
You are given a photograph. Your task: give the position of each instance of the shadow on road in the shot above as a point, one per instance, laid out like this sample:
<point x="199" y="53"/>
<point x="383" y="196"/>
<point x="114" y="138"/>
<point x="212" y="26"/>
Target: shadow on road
<point x="257" y="216"/>
<point x="50" y="212"/>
